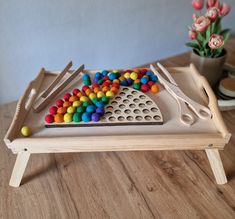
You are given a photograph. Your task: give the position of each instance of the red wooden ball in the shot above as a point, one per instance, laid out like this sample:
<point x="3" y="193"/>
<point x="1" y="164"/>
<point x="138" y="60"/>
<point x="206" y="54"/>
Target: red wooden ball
<point x="105" y="84"/>
<point x="85" y="87"/>
<point x="67" y="96"/>
<point x="75" y="91"/>
<point x="115" y="84"/>
<point x="59" y="102"/>
<point x="95" y="85"/>
<point x="53" y="110"/>
<point x="144" y="87"/>
<point x="151" y="83"/>
<point x="49" y="118"/>
<point x="143" y="71"/>
<point x="105" y="78"/>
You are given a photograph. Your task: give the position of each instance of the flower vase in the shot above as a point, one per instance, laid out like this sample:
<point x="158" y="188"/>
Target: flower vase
<point x="210" y="68"/>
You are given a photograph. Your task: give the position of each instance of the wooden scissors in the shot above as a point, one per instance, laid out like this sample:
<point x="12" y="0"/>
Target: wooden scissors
<point x="184" y="102"/>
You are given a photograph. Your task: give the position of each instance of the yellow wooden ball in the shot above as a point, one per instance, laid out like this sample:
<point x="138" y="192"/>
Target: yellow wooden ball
<point x="68" y="117"/>
<point x="25" y="131"/>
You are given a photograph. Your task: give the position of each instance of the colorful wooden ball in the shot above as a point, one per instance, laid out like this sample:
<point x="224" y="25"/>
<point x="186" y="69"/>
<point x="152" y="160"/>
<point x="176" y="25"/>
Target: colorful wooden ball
<point x="133" y="76"/>
<point x="129" y="81"/>
<point x="105" y="99"/>
<point x="91" y="109"/>
<point x="81" y="109"/>
<point x="75" y="91"/>
<point x="144" y="80"/>
<point x="85" y="104"/>
<point x="144" y="88"/>
<point x="116" y="81"/>
<point x="114" y="90"/>
<point x="86" y="117"/>
<point x="67" y="96"/>
<point x="115" y="84"/>
<point x="136" y="70"/>
<point x="100" y="110"/>
<point x="105" y="89"/>
<point x="155" y="88"/>
<point x="77" y="117"/>
<point x="68" y="117"/>
<point x="73" y="98"/>
<point x="127" y="75"/>
<point x="88" y="91"/>
<point x="124" y="83"/>
<point x="143" y="71"/>
<point x="94" y="100"/>
<point x="112" y="76"/>
<point x="84" y="99"/>
<point x="80" y="94"/>
<point x="136" y="81"/>
<point x="53" y="110"/>
<point x="86" y="77"/>
<point x="25" y="131"/>
<point x="87" y="82"/>
<point x="67" y="104"/>
<point x="98" y="75"/>
<point x="92" y="96"/>
<point x="59" y="118"/>
<point x="105" y="84"/>
<point x="151" y="83"/>
<point x="71" y="109"/>
<point x="105" y="78"/>
<point x="149" y="73"/>
<point x="96" y="90"/>
<point x="59" y="102"/>
<point x="100" y="94"/>
<point x="121" y="78"/>
<point x="136" y="86"/>
<point x="85" y="87"/>
<point x="77" y="103"/>
<point x="110" y="94"/>
<point x="99" y="104"/>
<point x="95" y="117"/>
<point x="95" y="85"/>
<point x="61" y="110"/>
<point x="100" y="81"/>
<point x="104" y="73"/>
<point x="154" y="78"/>
<point x="49" y="118"/>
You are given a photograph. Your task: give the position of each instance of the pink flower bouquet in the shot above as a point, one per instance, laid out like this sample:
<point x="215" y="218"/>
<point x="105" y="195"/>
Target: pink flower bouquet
<point x="208" y="38"/>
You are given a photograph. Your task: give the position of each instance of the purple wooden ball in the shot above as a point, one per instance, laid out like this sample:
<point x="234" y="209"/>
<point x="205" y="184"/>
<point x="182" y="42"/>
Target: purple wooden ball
<point x="100" y="111"/>
<point x="95" y="117"/>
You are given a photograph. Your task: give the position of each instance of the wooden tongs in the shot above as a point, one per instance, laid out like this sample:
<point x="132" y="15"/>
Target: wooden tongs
<point x="184" y="102"/>
<point x="52" y="90"/>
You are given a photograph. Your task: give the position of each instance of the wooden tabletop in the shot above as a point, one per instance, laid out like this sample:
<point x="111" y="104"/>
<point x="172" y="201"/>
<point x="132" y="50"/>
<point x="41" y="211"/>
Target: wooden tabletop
<point x="167" y="184"/>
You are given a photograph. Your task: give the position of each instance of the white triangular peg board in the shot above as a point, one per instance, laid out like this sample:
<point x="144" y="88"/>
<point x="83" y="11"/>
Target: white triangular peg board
<point x="128" y="107"/>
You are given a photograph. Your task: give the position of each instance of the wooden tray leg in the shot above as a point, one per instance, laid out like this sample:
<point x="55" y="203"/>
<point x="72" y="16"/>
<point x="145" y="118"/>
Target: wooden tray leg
<point x="216" y="165"/>
<point x="19" y="168"/>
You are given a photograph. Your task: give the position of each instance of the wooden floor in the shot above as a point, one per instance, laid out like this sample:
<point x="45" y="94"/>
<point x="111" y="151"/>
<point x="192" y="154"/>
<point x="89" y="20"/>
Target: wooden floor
<point x="118" y="184"/>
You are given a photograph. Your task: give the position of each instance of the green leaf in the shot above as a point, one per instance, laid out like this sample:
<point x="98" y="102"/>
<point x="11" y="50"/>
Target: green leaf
<point x="200" y="37"/>
<point x="217" y="52"/>
<point x="226" y="34"/>
<point x="216" y="26"/>
<point x="193" y="44"/>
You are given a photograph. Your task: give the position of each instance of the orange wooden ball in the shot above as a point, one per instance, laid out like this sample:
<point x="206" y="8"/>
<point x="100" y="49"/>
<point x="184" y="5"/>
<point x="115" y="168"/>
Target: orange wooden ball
<point x="61" y="110"/>
<point x="88" y="91"/>
<point x="155" y="88"/>
<point x="96" y="90"/>
<point x="73" y="98"/>
<point x="59" y="118"/>
<point x="66" y="104"/>
<point x="105" y="89"/>
<point x="114" y="89"/>
<point x="80" y="94"/>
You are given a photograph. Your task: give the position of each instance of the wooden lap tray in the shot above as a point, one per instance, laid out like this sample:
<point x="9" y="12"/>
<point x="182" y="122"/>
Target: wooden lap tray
<point x="209" y="135"/>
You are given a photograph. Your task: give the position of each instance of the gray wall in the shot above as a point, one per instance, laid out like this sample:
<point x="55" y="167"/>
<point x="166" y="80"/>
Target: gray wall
<point x="99" y="33"/>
